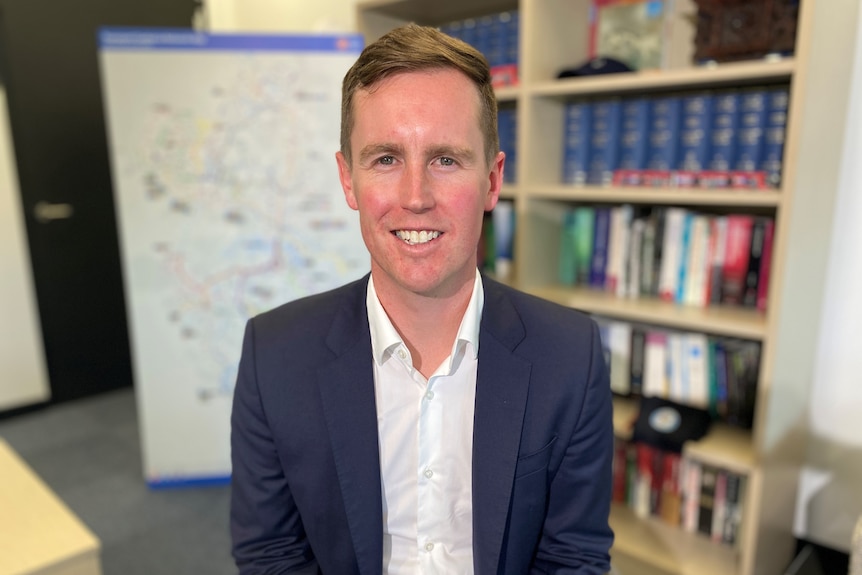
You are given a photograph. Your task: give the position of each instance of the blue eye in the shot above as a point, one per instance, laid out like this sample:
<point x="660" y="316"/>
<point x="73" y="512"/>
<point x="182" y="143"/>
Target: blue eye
<point x="447" y="161"/>
<point x="386" y="160"/>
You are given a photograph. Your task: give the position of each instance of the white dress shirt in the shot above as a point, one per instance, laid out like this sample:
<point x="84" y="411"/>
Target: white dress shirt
<point x="425" y="430"/>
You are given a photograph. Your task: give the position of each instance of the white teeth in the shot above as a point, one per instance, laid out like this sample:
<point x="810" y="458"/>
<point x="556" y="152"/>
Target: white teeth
<point x="413" y="237"/>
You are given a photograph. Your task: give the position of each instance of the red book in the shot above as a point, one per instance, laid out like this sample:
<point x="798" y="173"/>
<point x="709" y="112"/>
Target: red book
<point x="737" y="250"/>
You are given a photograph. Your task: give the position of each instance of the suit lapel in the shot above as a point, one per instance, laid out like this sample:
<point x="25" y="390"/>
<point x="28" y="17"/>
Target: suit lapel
<point x="347" y="393"/>
<point x="501" y="395"/>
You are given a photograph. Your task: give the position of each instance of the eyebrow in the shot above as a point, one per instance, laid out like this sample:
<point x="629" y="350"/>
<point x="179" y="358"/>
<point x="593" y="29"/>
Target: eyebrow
<point x="373" y="150"/>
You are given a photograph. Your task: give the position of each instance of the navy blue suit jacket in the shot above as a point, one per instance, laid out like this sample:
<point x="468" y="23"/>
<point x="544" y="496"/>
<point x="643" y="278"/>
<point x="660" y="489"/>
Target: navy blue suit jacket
<point x="306" y="489"/>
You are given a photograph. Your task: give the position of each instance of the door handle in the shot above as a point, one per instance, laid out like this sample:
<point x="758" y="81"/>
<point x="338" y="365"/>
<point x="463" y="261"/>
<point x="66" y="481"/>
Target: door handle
<point x="46" y="212"/>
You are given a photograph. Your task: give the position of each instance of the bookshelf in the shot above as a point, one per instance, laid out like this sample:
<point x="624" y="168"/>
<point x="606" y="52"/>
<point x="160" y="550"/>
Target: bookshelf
<point x="553" y="36"/>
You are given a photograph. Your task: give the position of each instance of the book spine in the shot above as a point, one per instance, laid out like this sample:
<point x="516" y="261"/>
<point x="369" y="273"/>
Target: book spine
<point x="599" y="263"/>
<point x="734" y="506"/>
<point x="776" y="127"/>
<point x="566" y="271"/>
<point x="576" y="142"/>
<point x="719" y="510"/>
<point x="584" y="235"/>
<point x="755" y="257"/>
<point x="695" y="143"/>
<point x="752" y="129"/>
<point x="638" y="344"/>
<point x="716" y="274"/>
<point x="671" y="253"/>
<point x="706" y="509"/>
<point x="656" y="378"/>
<point x="664" y="135"/>
<point x="634" y="135"/>
<point x="604" y="141"/>
<point x="736" y="254"/>
<point x="725" y="123"/>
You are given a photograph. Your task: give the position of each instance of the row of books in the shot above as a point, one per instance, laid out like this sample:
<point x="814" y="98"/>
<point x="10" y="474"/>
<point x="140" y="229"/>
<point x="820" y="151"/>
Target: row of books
<point x="721" y="138"/>
<point x="508" y="135"/>
<point x="683" y="492"/>
<point x="496" y="37"/>
<point x="717" y="374"/>
<point x="673" y="253"/>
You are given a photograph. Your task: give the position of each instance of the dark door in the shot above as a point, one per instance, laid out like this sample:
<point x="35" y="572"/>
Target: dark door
<point x="49" y="66"/>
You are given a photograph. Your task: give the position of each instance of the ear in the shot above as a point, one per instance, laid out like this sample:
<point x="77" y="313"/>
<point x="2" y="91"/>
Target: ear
<point x="346" y="178"/>
<point x="495" y="181"/>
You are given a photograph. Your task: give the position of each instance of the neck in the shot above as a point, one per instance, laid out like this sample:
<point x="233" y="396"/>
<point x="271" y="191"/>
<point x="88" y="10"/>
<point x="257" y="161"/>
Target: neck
<point x="427" y="324"/>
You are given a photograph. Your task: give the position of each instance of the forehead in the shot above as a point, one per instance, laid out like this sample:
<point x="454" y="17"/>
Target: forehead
<point x="435" y="91"/>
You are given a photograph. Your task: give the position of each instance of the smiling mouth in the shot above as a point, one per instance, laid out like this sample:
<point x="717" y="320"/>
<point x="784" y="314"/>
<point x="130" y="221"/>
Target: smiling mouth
<point x="414" y="237"/>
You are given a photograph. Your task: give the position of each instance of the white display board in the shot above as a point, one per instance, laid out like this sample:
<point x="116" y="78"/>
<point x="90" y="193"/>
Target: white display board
<point x="228" y="204"/>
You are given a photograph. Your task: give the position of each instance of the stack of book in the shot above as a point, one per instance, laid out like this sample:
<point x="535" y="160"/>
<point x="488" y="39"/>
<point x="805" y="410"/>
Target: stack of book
<point x="683" y="492"/>
<point x="715" y="373"/>
<point x="672" y="253"/>
<point x="730" y="138"/>
<point x="496" y="37"/>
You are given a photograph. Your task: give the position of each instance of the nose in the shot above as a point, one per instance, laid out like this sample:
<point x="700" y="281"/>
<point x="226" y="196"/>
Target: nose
<point x="416" y="190"/>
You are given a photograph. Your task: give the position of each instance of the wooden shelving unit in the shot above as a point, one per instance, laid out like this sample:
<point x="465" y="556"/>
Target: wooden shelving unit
<point x="553" y="37"/>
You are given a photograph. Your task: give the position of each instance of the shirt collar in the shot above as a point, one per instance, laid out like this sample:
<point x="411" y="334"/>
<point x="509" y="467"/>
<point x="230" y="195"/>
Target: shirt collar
<point x="385" y="338"/>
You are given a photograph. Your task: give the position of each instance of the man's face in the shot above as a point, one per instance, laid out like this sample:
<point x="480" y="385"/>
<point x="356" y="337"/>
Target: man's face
<point x="420" y="181"/>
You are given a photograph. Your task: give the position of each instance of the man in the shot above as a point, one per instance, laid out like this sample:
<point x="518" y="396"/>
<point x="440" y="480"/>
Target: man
<point x="424" y="419"/>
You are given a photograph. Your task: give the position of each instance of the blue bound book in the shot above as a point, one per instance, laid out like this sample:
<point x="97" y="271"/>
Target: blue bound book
<point x="604" y="141"/>
<point x="576" y="142"/>
<point x="778" y="101"/>
<point x="634" y="134"/>
<point x="752" y="127"/>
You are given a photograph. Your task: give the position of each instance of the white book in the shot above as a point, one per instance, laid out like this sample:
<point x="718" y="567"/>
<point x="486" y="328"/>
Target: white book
<point x="697" y="368"/>
<point x="655" y="381"/>
<point x="698" y="262"/>
<point x="620" y="344"/>
<point x="676" y="363"/>
<point x="668" y="279"/>
<point x="633" y="275"/>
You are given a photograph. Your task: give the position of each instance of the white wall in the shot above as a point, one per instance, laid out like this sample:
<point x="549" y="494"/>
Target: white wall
<point x="830" y="498"/>
<point x="282" y="15"/>
<point x="23" y="374"/>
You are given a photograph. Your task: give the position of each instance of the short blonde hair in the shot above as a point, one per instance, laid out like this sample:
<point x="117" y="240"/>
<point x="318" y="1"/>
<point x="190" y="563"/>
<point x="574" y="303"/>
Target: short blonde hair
<point x="412" y="48"/>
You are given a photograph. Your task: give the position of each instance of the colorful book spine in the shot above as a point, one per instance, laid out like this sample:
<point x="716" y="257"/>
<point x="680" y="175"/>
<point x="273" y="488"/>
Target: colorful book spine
<point x="738" y="247"/>
<point x="584" y="236"/>
<point x="601" y="233"/>
<point x="750" y="288"/>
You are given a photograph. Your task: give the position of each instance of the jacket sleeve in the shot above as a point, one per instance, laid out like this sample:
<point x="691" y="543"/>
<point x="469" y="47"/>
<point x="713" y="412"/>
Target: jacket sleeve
<point x="576" y="538"/>
<point x="266" y="529"/>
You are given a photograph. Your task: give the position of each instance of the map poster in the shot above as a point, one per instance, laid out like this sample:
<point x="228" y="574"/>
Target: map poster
<point x="228" y="204"/>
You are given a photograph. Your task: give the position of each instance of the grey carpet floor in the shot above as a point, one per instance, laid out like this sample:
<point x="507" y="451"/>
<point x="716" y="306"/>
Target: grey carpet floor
<point x="88" y="452"/>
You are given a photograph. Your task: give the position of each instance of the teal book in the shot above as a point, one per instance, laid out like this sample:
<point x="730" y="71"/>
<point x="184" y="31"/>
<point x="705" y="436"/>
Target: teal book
<point x="568" y="235"/>
<point x="584" y="217"/>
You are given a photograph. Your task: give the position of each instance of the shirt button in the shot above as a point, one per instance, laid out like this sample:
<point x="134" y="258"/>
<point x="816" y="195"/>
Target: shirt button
<point x="428" y="473"/>
<point x="402" y="354"/>
<point x="429" y="547"/>
<point x="429" y="395"/>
